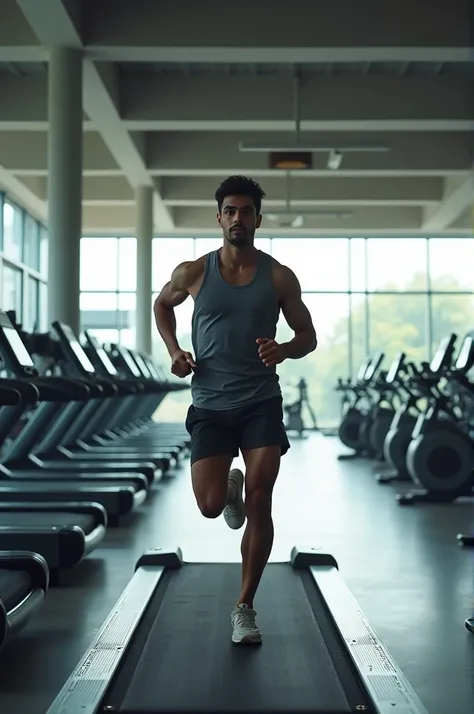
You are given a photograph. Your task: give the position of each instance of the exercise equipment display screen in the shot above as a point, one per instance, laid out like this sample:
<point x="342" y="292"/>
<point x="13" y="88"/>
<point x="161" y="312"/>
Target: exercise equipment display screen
<point x="105" y="359"/>
<point x="130" y="363"/>
<point x="141" y="363"/>
<point x="102" y="355"/>
<point x="77" y="349"/>
<point x="19" y="349"/>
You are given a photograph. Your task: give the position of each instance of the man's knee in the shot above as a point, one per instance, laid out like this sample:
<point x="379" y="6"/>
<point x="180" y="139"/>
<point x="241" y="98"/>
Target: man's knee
<point x="211" y="507"/>
<point x="210" y="478"/>
<point x="258" y="503"/>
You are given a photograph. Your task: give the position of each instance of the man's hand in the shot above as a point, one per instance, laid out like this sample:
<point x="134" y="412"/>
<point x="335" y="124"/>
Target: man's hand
<point x="270" y="352"/>
<point x="182" y="363"/>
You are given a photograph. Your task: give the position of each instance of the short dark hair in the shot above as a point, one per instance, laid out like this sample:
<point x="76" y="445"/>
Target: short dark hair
<point x="240" y="186"/>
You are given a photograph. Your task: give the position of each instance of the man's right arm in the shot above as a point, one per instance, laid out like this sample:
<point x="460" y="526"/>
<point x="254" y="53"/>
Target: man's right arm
<point x="173" y="294"/>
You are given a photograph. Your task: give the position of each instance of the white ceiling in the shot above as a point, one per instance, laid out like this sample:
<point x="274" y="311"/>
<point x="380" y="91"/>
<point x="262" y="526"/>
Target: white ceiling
<point x="173" y="87"/>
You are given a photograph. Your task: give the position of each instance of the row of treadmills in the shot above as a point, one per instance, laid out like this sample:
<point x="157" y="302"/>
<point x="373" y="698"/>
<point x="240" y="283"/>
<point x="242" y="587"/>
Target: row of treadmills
<point x="79" y="452"/>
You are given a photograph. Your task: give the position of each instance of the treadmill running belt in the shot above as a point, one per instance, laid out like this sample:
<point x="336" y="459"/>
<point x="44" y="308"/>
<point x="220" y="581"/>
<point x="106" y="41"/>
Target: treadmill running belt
<point x="53" y="518"/>
<point x="14" y="586"/>
<point x="188" y="662"/>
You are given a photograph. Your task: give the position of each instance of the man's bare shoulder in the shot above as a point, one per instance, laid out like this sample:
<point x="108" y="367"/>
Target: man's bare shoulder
<point x="282" y="274"/>
<point x="186" y="273"/>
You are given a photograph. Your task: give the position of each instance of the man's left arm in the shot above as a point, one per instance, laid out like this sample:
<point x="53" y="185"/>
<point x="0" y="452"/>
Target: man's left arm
<point x="298" y="318"/>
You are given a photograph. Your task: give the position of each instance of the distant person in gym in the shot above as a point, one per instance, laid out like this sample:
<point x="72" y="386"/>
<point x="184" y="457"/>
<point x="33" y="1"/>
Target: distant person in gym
<point x="238" y="292"/>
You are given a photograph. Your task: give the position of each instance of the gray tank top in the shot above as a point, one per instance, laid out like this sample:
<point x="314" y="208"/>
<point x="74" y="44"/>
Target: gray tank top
<point x="227" y="320"/>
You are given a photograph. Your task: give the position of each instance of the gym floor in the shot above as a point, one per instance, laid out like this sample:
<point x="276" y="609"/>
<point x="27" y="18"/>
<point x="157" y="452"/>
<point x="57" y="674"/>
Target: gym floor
<point x="403" y="565"/>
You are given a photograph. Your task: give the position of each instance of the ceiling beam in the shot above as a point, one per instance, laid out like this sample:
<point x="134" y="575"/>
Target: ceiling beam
<point x="325" y="100"/>
<point x="458" y="197"/>
<point x="145" y="101"/>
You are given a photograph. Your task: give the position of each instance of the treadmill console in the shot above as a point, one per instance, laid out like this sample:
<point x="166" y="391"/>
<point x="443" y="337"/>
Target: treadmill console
<point x="14" y="353"/>
<point x="19" y="349"/>
<point x="127" y="358"/>
<point x="102" y="355"/>
<point x="141" y="364"/>
<point x="72" y="349"/>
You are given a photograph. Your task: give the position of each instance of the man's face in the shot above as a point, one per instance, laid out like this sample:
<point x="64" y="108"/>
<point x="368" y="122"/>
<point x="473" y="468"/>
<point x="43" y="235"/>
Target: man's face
<point x="239" y="220"/>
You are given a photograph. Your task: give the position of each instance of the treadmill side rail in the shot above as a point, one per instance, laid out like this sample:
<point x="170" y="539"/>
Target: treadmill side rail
<point x="384" y="681"/>
<point x="84" y="690"/>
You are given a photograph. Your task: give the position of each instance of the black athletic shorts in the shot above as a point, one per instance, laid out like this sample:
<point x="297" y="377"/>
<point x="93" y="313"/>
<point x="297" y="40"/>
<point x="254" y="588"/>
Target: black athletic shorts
<point x="215" y="432"/>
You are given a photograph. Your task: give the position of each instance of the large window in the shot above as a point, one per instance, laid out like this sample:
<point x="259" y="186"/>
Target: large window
<point x="450" y="263"/>
<point x="321" y="369"/>
<point x="358" y="337"/>
<point x="99" y="264"/>
<point x="320" y="264"/>
<point x="22" y="277"/>
<point x="31" y="243"/>
<point x="108" y="288"/>
<point x="12" y="286"/>
<point x="398" y="323"/>
<point x="451" y="313"/>
<point x="12" y="231"/>
<point x="396" y="264"/>
<point x="31" y="321"/>
<point x="167" y="254"/>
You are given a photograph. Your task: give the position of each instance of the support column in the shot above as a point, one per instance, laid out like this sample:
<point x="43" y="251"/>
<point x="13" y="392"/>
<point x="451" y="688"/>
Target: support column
<point x="64" y="184"/>
<point x="144" y="231"/>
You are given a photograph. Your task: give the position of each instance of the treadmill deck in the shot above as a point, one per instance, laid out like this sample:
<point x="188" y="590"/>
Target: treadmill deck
<point x="189" y="662"/>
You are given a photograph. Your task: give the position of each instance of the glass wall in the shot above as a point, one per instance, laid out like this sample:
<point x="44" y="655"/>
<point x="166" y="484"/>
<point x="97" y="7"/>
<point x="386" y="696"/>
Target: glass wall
<point x="23" y="265"/>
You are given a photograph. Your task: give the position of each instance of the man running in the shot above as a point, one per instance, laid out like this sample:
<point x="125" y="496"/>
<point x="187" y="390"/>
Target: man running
<point x="238" y="292"/>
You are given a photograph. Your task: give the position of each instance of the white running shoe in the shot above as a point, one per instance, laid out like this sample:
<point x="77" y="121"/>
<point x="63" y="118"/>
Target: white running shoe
<point x="234" y="513"/>
<point x="245" y="631"/>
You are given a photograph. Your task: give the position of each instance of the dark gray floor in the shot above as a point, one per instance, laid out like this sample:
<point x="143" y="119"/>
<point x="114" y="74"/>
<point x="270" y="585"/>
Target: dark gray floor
<point x="402" y="564"/>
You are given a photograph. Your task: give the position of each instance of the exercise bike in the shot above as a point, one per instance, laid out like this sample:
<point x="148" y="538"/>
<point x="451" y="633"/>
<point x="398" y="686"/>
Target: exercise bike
<point x="386" y="394"/>
<point x="399" y="435"/>
<point x="353" y="429"/>
<point x="440" y="457"/>
<point x="294" y="421"/>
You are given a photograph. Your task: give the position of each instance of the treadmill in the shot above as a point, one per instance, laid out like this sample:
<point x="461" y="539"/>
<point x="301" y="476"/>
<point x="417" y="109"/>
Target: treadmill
<point x="130" y="428"/>
<point x="137" y="416"/>
<point x="166" y="646"/>
<point x="125" y="363"/>
<point x="63" y="534"/>
<point x="152" y="376"/>
<point x="57" y="395"/>
<point x="24" y="581"/>
<point x="33" y="486"/>
<point x="51" y="423"/>
<point x="88" y="420"/>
